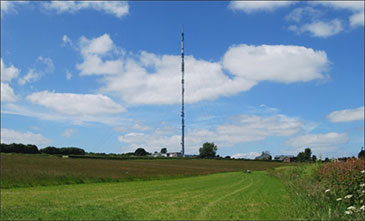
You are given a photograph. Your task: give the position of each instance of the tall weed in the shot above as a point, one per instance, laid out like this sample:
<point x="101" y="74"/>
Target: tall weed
<point x="326" y="190"/>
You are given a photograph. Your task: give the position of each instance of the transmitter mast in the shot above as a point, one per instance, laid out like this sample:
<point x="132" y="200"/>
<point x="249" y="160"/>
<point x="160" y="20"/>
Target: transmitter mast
<point x="182" y="96"/>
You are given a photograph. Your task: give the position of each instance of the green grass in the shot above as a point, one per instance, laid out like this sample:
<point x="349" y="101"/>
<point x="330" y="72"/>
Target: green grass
<point x="219" y="196"/>
<point x="20" y="170"/>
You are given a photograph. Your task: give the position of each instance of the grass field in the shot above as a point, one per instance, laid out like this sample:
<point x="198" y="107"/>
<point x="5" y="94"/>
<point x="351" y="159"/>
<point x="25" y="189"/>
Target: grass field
<point x="221" y="196"/>
<point x="19" y="170"/>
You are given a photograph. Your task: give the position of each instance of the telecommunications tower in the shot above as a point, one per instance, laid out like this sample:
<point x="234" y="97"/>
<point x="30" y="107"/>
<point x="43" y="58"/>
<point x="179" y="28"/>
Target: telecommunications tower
<point x="182" y="95"/>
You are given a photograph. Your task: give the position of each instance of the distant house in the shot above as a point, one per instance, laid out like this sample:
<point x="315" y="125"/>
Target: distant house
<point x="174" y="154"/>
<point x="264" y="156"/>
<point x="285" y="158"/>
<point x="157" y="154"/>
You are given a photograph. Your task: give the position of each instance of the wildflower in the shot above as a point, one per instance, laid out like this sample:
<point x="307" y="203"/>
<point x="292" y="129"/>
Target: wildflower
<point x="362" y="171"/>
<point x="348" y="196"/>
<point x="348" y="212"/>
<point x="351" y="208"/>
<point x="363" y="207"/>
<point x="339" y="199"/>
<point x="327" y="190"/>
<point x="362" y="185"/>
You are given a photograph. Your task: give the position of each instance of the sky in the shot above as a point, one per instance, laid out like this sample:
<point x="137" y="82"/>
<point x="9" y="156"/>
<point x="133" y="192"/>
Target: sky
<point x="277" y="76"/>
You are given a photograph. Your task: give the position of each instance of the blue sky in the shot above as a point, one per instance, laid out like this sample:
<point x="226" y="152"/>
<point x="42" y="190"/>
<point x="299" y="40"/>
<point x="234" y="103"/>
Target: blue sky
<point x="105" y="76"/>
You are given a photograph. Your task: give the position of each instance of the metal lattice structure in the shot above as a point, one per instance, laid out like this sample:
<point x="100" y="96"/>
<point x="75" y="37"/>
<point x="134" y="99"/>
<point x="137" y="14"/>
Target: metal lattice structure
<point x="182" y="96"/>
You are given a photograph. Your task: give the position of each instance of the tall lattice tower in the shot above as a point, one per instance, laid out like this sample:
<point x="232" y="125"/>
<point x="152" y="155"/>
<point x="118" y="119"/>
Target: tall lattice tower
<point x="182" y="96"/>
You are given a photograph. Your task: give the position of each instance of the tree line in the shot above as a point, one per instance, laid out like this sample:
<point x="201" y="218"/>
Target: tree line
<point x="32" y="149"/>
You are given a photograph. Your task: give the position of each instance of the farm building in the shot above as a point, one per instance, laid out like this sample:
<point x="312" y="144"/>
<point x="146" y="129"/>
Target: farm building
<point x="285" y="158"/>
<point x="171" y="154"/>
<point x="174" y="154"/>
<point x="264" y="156"/>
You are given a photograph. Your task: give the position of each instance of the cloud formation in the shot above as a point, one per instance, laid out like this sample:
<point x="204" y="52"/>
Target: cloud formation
<point x="255" y="6"/>
<point x="250" y="155"/>
<point x="319" y="28"/>
<point x="94" y="51"/>
<point x="7" y="93"/>
<point x="319" y="143"/>
<point x="69" y="132"/>
<point x="41" y="67"/>
<point x="346" y="115"/>
<point x="148" y="78"/>
<point x="11" y="136"/>
<point x="76" y="104"/>
<point x="8" y="73"/>
<point x="356" y="7"/>
<point x="244" y="128"/>
<point x="116" y="8"/>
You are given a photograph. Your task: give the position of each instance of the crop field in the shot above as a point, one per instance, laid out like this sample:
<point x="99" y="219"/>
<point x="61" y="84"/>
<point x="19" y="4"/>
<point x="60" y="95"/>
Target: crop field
<point x="42" y="170"/>
<point x="223" y="196"/>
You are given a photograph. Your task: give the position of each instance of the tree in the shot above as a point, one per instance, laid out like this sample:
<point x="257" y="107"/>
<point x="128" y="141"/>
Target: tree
<point x="301" y="157"/>
<point x="140" y="152"/>
<point x="362" y="153"/>
<point x="308" y="153"/>
<point x="314" y="158"/>
<point x="163" y="150"/>
<point x="208" y="150"/>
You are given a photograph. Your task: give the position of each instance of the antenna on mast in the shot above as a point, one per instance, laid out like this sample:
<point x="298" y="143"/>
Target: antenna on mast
<point x="182" y="95"/>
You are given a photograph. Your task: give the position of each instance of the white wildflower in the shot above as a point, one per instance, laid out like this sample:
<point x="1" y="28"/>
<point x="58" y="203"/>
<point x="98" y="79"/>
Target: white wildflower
<point x="363" y="207"/>
<point x="348" y="196"/>
<point x="327" y="190"/>
<point x="348" y="212"/>
<point x="351" y="208"/>
<point x="339" y="199"/>
<point x="362" y="171"/>
<point x="362" y="185"/>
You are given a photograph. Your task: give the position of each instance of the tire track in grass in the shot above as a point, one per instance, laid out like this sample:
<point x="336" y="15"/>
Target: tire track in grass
<point x="203" y="213"/>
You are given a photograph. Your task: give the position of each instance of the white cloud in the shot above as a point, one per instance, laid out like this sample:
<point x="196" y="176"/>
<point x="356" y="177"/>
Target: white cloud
<point x="245" y="128"/>
<point x="81" y="119"/>
<point x="8" y="72"/>
<point x="10" y="6"/>
<point x="319" y="143"/>
<point x="356" y="7"/>
<point x="320" y="28"/>
<point x="68" y="75"/>
<point x="41" y="67"/>
<point x="76" y="104"/>
<point x="347" y="5"/>
<point x="204" y="80"/>
<point x="255" y="6"/>
<point x="298" y="14"/>
<point x="47" y="64"/>
<point x="346" y="115"/>
<point x="116" y="8"/>
<point x="31" y="76"/>
<point x="66" y="40"/>
<point x="69" y="132"/>
<point x="93" y="52"/>
<point x="357" y="19"/>
<point x="250" y="155"/>
<point x="12" y="136"/>
<point x="147" y="78"/>
<point x="253" y="128"/>
<point x="7" y="93"/>
<point x="279" y="63"/>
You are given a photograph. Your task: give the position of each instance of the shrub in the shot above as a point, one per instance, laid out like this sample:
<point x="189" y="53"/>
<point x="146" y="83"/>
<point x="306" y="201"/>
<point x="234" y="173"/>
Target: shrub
<point x="345" y="182"/>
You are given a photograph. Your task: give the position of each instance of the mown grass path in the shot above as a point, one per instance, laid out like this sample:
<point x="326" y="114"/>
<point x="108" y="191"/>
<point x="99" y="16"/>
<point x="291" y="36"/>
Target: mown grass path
<point x="218" y="196"/>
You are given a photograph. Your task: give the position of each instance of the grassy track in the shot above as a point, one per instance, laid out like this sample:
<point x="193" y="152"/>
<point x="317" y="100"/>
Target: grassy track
<point x="38" y="170"/>
<point x="219" y="196"/>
